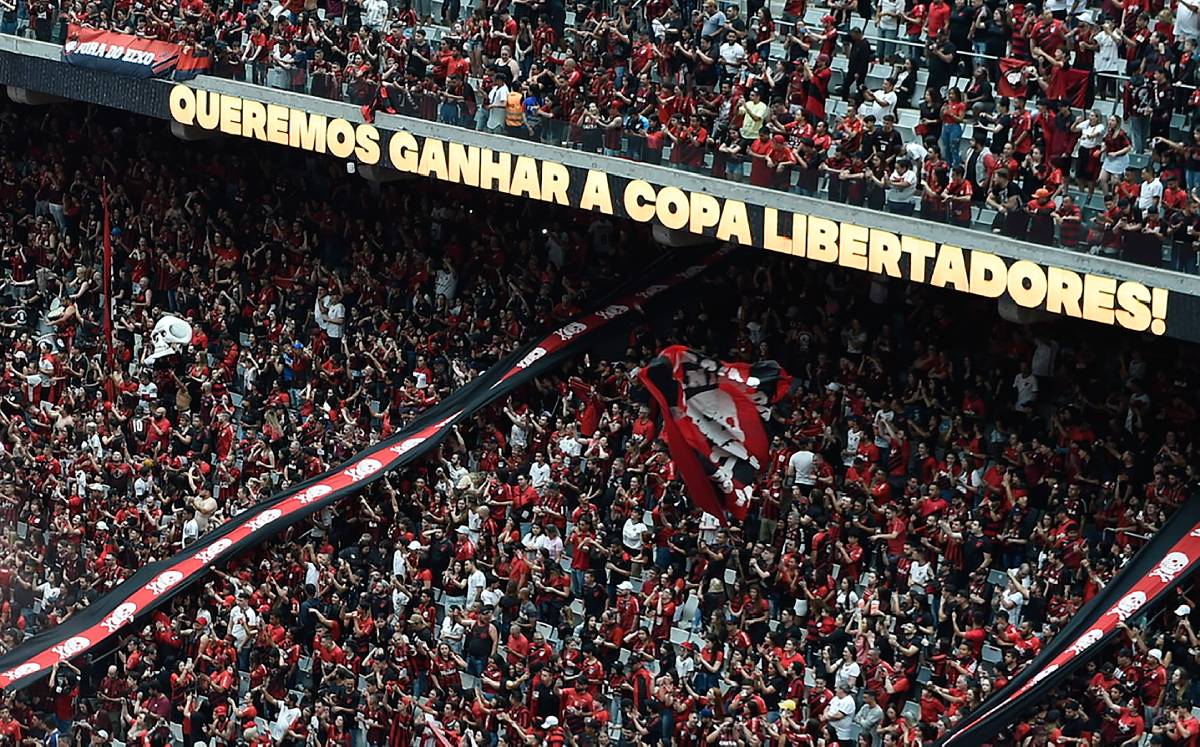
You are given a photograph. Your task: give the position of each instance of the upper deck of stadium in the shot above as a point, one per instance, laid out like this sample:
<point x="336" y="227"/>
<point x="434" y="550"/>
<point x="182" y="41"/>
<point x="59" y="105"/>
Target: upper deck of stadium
<point x="815" y="227"/>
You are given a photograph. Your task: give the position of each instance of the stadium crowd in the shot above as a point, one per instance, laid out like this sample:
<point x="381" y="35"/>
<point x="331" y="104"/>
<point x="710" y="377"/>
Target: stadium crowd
<point x="793" y="103"/>
<point x="937" y="504"/>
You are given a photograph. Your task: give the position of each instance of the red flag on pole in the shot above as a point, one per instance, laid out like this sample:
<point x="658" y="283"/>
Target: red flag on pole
<point x="106" y="232"/>
<point x="1013" y="83"/>
<point x="714" y="417"/>
<point x="1070" y="86"/>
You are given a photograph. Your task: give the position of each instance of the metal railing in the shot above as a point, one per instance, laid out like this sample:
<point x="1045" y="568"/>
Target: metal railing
<point x="559" y="132"/>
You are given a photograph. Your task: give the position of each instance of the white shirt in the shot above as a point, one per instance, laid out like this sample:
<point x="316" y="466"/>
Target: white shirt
<point x="570" y="446"/>
<point x="847" y="675"/>
<point x="1026" y="388"/>
<point x="445" y="283"/>
<point x="801" y="465"/>
<point x="531" y="542"/>
<point x="335" y="319"/>
<point x="553" y="547"/>
<point x="906" y="191"/>
<point x="732" y="54"/>
<point x="920" y="573"/>
<point x="374" y="13"/>
<point x="476" y="583"/>
<point x="1017" y="600"/>
<point x="631" y="533"/>
<point x="400" y="562"/>
<point x="539" y="475"/>
<point x="452" y="632"/>
<point x="890" y="6"/>
<point x="191" y="530"/>
<point x="1187" y="20"/>
<point x="1151" y="191"/>
<point x="283" y="722"/>
<point x="845" y="706"/>
<point x="1090" y="136"/>
<point x="497" y="98"/>
<point x="240" y="622"/>
<point x="883" y="104"/>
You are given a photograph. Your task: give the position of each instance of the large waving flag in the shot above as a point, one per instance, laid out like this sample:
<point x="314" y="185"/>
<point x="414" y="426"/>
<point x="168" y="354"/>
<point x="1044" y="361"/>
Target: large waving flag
<point x="714" y="417"/>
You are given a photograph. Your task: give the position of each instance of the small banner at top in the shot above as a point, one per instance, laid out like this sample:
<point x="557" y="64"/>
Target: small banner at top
<point x="714" y="420"/>
<point x="132" y="56"/>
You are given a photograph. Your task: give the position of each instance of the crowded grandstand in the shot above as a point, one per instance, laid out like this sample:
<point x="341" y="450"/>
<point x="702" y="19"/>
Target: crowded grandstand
<point x="299" y="450"/>
<point x="945" y="490"/>
<point x="1066" y="123"/>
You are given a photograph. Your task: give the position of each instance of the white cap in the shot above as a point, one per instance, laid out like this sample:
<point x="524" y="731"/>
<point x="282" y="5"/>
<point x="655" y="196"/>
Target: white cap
<point x="462" y="529"/>
<point x="550" y="722"/>
<point x="1154" y="653"/>
<point x="102" y="525"/>
<point x="624" y="586"/>
<point x="1183" y="610"/>
<point x="414" y="545"/>
<point x="102" y="734"/>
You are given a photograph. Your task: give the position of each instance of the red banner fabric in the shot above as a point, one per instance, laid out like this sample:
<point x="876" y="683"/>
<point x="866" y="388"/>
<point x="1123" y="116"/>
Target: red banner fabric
<point x="714" y="421"/>
<point x="1013" y="82"/>
<point x="132" y="56"/>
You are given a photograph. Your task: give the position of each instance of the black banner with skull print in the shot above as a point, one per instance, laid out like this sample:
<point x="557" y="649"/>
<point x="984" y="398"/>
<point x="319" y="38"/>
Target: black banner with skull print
<point x="153" y="585"/>
<point x="1160" y="566"/>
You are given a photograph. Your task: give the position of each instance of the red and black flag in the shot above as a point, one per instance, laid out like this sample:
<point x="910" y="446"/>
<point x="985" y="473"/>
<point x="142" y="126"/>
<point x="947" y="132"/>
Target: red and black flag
<point x="714" y="417"/>
<point x="1072" y="86"/>
<point x="1013" y="83"/>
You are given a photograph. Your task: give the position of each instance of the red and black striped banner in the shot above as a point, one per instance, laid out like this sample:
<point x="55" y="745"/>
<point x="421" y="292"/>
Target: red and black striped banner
<point x="152" y="586"/>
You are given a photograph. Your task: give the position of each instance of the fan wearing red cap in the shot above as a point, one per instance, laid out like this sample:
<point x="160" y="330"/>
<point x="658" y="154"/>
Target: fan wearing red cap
<point x="816" y="85"/>
<point x="780" y="160"/>
<point x="1041" y="216"/>
<point x="761" y="172"/>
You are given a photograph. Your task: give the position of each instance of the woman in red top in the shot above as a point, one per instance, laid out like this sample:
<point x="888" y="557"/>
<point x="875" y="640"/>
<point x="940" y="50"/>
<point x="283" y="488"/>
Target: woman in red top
<point x="765" y="33"/>
<point x="953" y="112"/>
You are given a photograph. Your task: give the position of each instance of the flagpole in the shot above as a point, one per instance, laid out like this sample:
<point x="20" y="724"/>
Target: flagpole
<point x="106" y="233"/>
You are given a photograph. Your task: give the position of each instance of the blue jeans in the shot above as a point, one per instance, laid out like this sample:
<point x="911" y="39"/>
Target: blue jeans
<point x="916" y="50"/>
<point x="888" y="48"/>
<point x="1193" y="180"/>
<point x="476" y="665"/>
<point x="951" y="142"/>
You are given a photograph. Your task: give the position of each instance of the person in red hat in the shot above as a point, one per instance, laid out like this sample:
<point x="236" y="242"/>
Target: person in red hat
<point x="1041" y="211"/>
<point x="816" y="79"/>
<point x="780" y="160"/>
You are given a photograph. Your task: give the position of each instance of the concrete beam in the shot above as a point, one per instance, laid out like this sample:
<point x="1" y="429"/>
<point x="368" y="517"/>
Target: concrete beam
<point x="378" y="175"/>
<point x="680" y="239"/>
<point x="31" y="98"/>
<point x="189" y="134"/>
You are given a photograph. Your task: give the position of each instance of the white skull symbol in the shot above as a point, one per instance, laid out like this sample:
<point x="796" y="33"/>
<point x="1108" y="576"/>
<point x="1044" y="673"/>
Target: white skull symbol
<point x="1043" y="674"/>
<point x="208" y="554"/>
<point x="313" y="493"/>
<point x="266" y="517"/>
<point x="23" y="670"/>
<point x="164" y="581"/>
<point x="1170" y="567"/>
<point x="364" y="468"/>
<point x="170" y="335"/>
<point x="71" y="647"/>
<point x="1129" y="605"/>
<point x="407" y="445"/>
<point x="120" y="617"/>
<point x="1086" y="641"/>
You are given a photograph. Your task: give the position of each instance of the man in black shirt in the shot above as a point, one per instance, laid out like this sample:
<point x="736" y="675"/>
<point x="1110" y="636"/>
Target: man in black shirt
<point x="942" y="58"/>
<point x="886" y="140"/>
<point x="977" y="547"/>
<point x="859" y="52"/>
